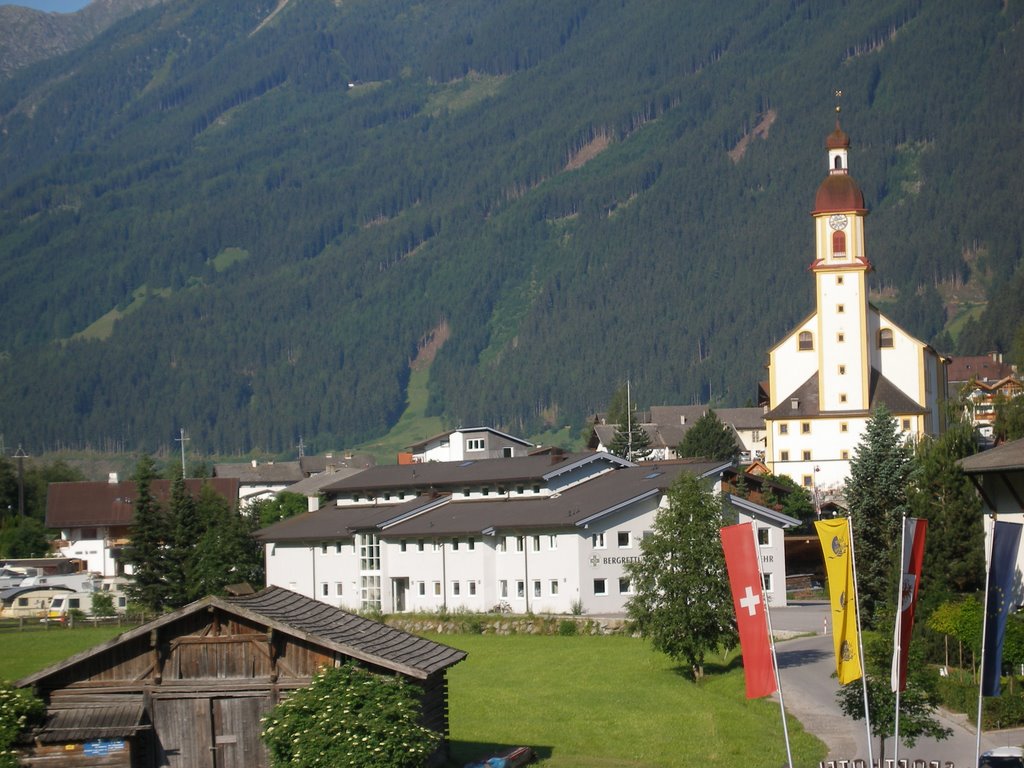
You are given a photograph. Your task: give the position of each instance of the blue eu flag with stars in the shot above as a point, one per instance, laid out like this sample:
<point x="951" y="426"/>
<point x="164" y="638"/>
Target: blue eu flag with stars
<point x="1001" y="573"/>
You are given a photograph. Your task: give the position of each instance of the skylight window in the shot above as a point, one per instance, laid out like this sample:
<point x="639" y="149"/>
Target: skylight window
<point x="653" y="475"/>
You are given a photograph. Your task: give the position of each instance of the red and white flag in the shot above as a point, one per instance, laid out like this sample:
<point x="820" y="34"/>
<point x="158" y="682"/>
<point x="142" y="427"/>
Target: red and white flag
<point x="914" y="530"/>
<point x="748" y="600"/>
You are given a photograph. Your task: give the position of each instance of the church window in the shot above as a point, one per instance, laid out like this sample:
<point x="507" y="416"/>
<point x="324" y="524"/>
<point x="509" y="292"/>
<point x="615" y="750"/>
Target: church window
<point x="806" y="340"/>
<point x="842" y="370"/>
<point x="839" y="279"/>
<point x="839" y="244"/>
<point x="842" y="397"/>
<point x="840" y="337"/>
<point x="839" y="162"/>
<point x="885" y="338"/>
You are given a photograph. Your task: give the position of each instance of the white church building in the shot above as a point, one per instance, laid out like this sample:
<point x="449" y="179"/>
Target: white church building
<point x="830" y="372"/>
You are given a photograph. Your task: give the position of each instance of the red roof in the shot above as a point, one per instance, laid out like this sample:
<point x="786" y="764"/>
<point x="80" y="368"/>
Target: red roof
<point x="839" y="193"/>
<point x="99" y="503"/>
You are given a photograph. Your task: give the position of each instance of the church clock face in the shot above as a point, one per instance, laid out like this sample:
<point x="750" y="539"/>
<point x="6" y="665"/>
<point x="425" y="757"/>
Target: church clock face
<point x="837" y="221"/>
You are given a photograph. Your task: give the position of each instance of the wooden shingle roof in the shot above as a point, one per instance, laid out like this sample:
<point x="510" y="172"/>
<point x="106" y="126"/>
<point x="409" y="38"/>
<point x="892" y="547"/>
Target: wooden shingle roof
<point x="355" y="636"/>
<point x="302" y="617"/>
<point x="92" y="721"/>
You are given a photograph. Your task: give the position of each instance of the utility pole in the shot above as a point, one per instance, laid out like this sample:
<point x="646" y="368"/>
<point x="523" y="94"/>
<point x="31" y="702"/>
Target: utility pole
<point x="302" y="447"/>
<point x="182" y="440"/>
<point x="20" y="455"/>
<point x="629" y="425"/>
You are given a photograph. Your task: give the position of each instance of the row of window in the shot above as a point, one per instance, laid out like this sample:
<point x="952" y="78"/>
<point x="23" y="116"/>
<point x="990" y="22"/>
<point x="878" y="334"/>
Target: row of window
<point x="501" y="490"/>
<point x="623" y="539"/>
<point x="805" y="339"/>
<point x="805" y="429"/>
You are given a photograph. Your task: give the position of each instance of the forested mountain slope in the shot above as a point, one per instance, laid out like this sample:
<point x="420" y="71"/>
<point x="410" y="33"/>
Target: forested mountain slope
<point x="244" y="217"/>
<point x="28" y="35"/>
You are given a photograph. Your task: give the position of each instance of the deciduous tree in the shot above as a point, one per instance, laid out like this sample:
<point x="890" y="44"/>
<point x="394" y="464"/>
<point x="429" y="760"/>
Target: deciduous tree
<point x="682" y="600"/>
<point x="918" y="703"/>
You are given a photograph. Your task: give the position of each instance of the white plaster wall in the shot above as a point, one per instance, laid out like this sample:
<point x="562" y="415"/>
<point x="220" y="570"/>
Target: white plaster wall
<point x="790" y="366"/>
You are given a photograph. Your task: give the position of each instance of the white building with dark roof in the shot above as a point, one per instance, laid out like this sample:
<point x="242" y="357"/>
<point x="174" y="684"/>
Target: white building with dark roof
<point x="549" y="533"/>
<point x="465" y="444"/>
<point x="842" y="361"/>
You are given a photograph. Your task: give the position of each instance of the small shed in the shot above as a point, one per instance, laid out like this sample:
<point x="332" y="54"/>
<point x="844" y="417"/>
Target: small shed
<point x="188" y="689"/>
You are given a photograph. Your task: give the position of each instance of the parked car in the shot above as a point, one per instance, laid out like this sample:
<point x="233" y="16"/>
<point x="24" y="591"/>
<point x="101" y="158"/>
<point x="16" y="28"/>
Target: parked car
<point x="1002" y="757"/>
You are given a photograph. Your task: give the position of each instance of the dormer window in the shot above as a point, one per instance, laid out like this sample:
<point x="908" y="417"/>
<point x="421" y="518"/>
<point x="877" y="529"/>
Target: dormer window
<point x="885" y="338"/>
<point x="805" y="341"/>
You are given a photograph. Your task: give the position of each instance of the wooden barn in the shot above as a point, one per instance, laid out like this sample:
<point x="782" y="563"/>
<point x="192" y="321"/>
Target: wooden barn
<point x="187" y="690"/>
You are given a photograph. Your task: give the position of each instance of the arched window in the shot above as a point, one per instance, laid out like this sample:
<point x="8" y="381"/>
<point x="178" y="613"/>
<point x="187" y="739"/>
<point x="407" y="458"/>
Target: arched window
<point x="885" y="338"/>
<point x="839" y="244"/>
<point x="839" y="162"/>
<point x="805" y="340"/>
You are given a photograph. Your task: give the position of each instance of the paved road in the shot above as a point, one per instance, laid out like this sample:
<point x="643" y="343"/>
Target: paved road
<point x="806" y="665"/>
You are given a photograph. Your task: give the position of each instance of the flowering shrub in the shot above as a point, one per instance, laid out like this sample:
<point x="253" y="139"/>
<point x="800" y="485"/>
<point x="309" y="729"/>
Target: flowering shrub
<point x="18" y="707"/>
<point x="349" y="716"/>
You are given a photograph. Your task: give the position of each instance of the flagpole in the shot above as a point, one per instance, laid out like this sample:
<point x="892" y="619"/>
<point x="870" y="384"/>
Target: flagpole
<point x="897" y="659"/>
<point x="984" y="625"/>
<point x="860" y="642"/>
<point x="771" y="643"/>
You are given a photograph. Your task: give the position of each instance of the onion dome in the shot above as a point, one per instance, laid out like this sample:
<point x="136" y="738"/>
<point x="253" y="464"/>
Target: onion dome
<point x="837" y="193"/>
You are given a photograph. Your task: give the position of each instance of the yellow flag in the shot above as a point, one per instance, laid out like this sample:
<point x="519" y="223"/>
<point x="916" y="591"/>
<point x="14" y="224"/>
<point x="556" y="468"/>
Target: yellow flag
<point x="835" y="546"/>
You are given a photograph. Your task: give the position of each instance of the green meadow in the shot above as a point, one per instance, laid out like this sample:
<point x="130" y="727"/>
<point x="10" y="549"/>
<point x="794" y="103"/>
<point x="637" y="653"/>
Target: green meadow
<point x="580" y="702"/>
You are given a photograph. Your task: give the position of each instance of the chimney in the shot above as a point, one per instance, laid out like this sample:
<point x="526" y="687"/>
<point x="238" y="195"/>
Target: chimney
<point x="112" y="478"/>
<point x="254" y="463"/>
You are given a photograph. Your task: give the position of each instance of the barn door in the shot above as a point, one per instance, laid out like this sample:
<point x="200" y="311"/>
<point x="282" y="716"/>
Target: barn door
<point x="236" y="728"/>
<point x="210" y="732"/>
<point x="184" y="736"/>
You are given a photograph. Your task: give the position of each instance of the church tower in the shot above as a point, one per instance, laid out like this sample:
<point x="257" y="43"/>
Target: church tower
<point x="845" y="359"/>
<point x="840" y="272"/>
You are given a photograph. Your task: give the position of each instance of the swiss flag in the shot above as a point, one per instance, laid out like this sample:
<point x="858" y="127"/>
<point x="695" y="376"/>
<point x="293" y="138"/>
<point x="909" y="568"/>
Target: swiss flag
<point x="748" y="600"/>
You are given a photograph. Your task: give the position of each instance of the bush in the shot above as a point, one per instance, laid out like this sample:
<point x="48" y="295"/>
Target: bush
<point x="349" y="716"/>
<point x="959" y="693"/>
<point x="102" y="604"/>
<point x="18" y="708"/>
<point x="568" y="628"/>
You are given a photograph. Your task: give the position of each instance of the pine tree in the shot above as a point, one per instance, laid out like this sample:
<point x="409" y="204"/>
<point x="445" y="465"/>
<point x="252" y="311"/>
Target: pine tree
<point x="876" y="493"/>
<point x="682" y="600"/>
<point x="632" y="442"/>
<point x="709" y="438"/>
<point x="146" y="553"/>
<point x="184" y="531"/>
<point x="941" y="493"/>
<point x="225" y="551"/>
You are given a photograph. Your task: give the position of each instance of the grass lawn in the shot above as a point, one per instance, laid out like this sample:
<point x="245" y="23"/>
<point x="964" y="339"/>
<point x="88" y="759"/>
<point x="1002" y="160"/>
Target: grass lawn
<point x="609" y="701"/>
<point x="28" y="651"/>
<point x="580" y="702"/>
